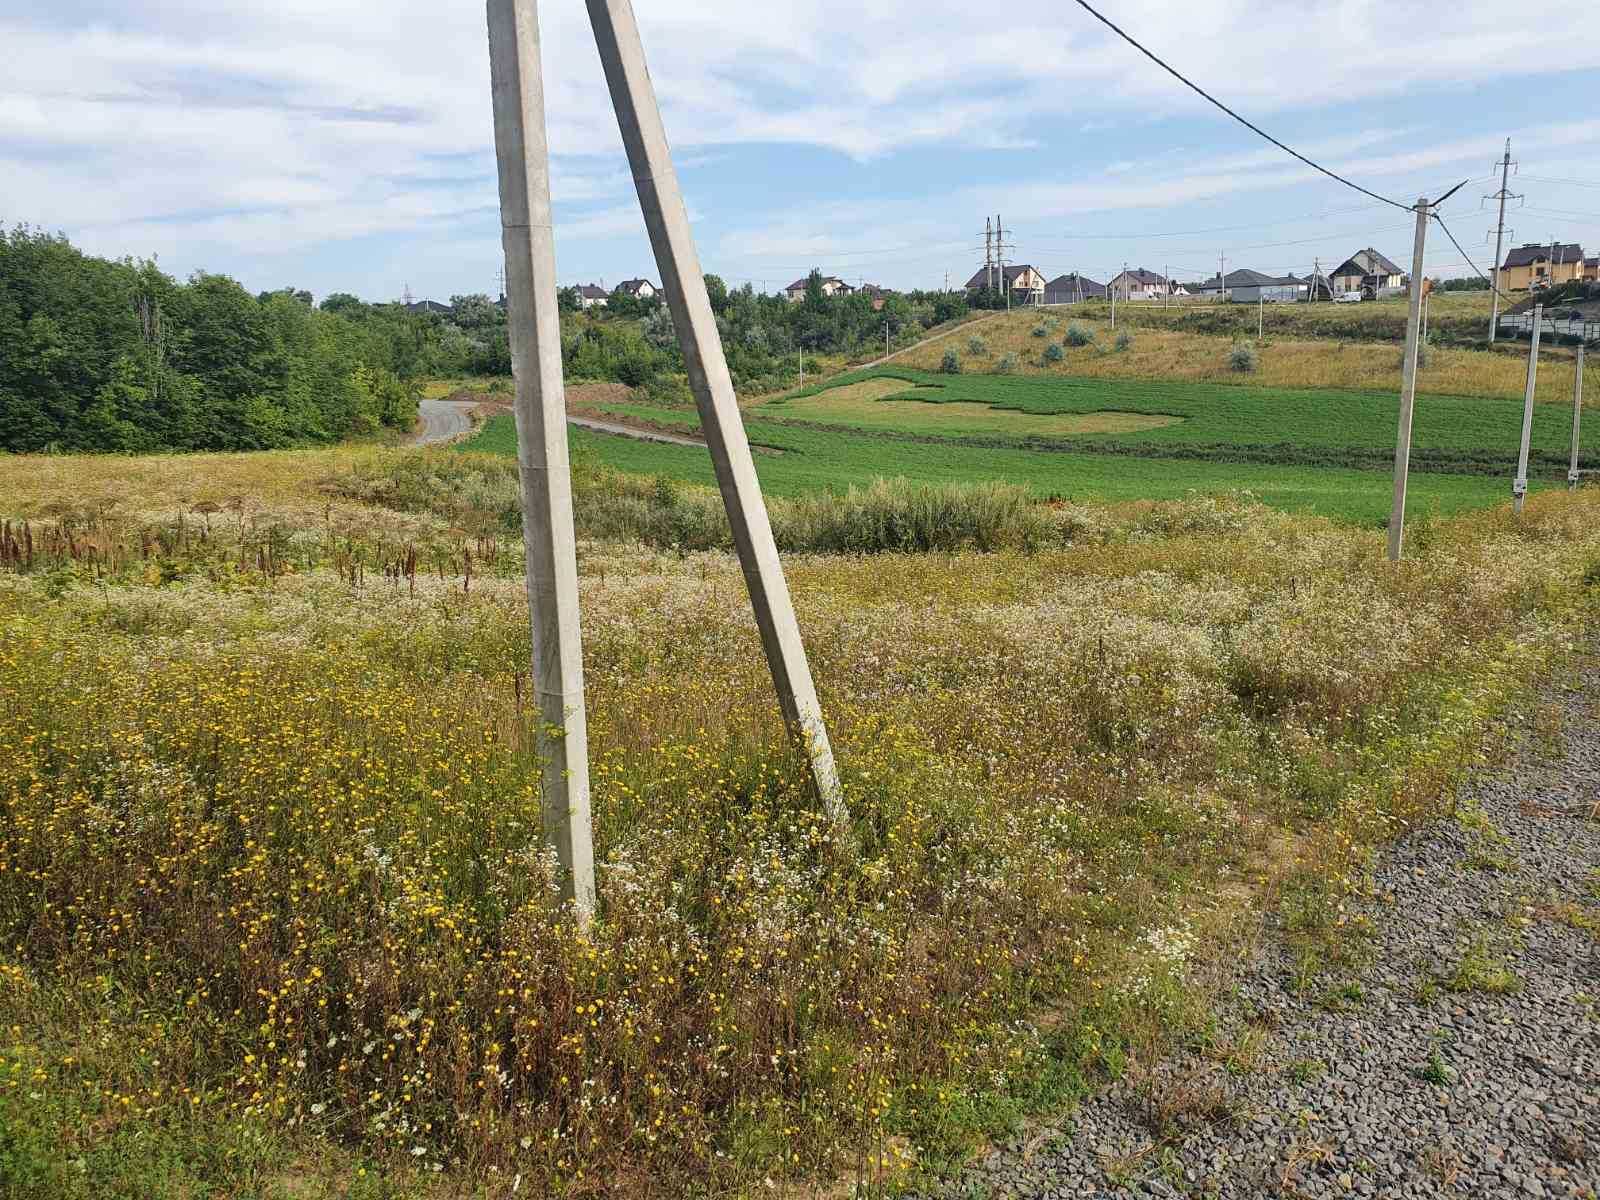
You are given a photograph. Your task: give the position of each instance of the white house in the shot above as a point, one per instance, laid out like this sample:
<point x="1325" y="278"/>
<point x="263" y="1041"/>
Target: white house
<point x="590" y="296"/>
<point x="831" y="286"/>
<point x="1370" y="273"/>
<point x="639" y="289"/>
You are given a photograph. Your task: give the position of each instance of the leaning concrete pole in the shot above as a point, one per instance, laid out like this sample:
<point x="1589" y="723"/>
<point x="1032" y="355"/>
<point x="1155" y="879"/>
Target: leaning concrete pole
<point x="1577" y="419"/>
<point x="541" y="414"/>
<point x="1519" y="485"/>
<point x="1408" y="391"/>
<point x="639" y="118"/>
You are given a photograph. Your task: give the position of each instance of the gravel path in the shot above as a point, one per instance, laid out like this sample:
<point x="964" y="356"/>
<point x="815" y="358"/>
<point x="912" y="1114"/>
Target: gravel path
<point x="442" y="421"/>
<point x="1429" y="1072"/>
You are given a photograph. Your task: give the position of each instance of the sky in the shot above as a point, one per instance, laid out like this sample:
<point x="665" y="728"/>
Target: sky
<point x="334" y="145"/>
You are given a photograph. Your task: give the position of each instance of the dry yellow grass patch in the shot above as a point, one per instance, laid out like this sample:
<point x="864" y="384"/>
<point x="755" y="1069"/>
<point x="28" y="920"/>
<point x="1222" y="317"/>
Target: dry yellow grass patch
<point x="867" y="404"/>
<point x="1283" y="362"/>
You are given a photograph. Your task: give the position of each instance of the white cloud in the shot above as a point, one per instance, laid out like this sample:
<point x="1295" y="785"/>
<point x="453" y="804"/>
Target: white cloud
<point x="243" y="129"/>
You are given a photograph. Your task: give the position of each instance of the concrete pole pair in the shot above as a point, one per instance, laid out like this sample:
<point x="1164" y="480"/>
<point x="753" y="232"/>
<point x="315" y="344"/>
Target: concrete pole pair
<point x="535" y="329"/>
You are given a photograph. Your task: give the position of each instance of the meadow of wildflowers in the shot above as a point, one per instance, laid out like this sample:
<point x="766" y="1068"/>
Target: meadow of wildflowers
<point x="275" y="915"/>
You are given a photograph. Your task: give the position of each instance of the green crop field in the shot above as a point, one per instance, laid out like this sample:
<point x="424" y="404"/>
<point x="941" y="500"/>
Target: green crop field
<point x="1321" y="450"/>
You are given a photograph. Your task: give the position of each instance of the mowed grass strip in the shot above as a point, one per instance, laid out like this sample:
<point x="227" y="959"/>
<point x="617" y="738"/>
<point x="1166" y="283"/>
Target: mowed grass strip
<point x="826" y="460"/>
<point x="884" y="403"/>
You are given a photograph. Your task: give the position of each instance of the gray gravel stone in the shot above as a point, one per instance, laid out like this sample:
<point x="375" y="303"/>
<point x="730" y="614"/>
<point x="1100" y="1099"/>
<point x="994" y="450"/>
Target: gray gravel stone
<point x="1516" y="1111"/>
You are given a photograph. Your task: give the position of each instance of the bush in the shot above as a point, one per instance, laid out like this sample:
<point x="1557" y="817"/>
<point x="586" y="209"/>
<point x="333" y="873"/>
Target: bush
<point x="976" y="346"/>
<point x="1007" y="364"/>
<point x="950" y="364"/>
<point x="1053" y="353"/>
<point x="1124" y="342"/>
<point x="1079" y="335"/>
<point x="1041" y="330"/>
<point x="1242" y="359"/>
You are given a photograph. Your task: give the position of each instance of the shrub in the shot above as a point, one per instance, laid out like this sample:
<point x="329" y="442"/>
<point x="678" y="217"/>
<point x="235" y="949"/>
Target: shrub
<point x="950" y="364"/>
<point x="1079" y="335"/>
<point x="976" y="346"/>
<point x="1041" y="330"/>
<point x="1124" y="342"/>
<point x="1053" y="353"/>
<point x="1007" y="364"/>
<point x="1242" y="358"/>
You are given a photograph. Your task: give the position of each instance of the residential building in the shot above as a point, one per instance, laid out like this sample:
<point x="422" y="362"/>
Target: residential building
<point x="1244" y="286"/>
<point x="639" y="289"/>
<point x="1024" y="282"/>
<point x="1547" y="264"/>
<point x="1370" y="273"/>
<point x="431" y="306"/>
<point x="590" y="296"/>
<point x="1591" y="269"/>
<point x="876" y="294"/>
<point x="1144" y="285"/>
<point x="831" y="286"/>
<point x="1072" y="288"/>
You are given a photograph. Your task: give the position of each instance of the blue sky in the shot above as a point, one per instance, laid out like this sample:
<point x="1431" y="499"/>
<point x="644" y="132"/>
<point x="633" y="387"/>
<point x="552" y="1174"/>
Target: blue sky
<point x="344" y="146"/>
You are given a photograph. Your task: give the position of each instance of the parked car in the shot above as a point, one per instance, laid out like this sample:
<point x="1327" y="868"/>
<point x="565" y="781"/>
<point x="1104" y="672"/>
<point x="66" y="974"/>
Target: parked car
<point x="1347" y="298"/>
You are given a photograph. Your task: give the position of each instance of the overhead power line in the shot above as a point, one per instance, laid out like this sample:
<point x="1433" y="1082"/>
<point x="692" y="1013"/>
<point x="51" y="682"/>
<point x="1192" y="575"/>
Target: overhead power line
<point x="1198" y="90"/>
<point x="1584" y="183"/>
<point x="1468" y="258"/>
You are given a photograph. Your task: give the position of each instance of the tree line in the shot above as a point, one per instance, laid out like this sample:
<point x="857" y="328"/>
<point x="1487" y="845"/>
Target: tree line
<point x="117" y="356"/>
<point x="100" y="355"/>
<point x="632" y="340"/>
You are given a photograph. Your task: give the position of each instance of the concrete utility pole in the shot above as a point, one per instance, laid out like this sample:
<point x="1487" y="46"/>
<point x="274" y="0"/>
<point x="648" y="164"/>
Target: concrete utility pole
<point x="643" y="136"/>
<point x="1577" y="419"/>
<point x="988" y="254"/>
<point x="541" y="419"/>
<point x="1222" y="277"/>
<point x="1261" y="315"/>
<point x="1519" y="485"/>
<point x="1408" y="389"/>
<point x="1502" y="195"/>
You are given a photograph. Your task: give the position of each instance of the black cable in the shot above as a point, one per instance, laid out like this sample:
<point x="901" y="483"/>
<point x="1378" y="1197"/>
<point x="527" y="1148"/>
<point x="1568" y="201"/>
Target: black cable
<point x="1194" y="87"/>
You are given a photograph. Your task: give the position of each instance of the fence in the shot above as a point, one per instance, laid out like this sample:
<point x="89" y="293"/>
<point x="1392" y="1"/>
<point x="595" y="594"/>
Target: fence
<point x="1575" y="329"/>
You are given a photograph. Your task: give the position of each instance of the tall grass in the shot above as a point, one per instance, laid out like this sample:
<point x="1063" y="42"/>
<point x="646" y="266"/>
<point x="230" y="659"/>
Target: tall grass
<point x="480" y="494"/>
<point x="274" y="902"/>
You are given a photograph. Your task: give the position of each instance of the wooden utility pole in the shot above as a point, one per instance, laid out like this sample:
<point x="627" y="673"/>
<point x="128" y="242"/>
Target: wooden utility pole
<point x="534" y="323"/>
<point x="1408" y="389"/>
<point x="1519" y="485"/>
<point x="1577" y="419"/>
<point x="645" y="139"/>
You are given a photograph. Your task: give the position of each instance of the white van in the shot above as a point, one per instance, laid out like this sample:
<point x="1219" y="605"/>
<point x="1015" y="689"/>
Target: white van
<point x="1347" y="298"/>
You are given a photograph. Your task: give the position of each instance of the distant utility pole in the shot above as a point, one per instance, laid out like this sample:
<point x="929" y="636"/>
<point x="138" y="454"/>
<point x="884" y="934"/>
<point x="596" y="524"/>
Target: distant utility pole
<point x="1408" y="388"/>
<point x="1166" y="286"/>
<point x="1502" y="195"/>
<point x="1577" y="418"/>
<point x="1261" y="315"/>
<point x="406" y="297"/>
<point x="1000" y="248"/>
<point x="1519" y="485"/>
<point x="988" y="254"/>
<point x="1222" y="276"/>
